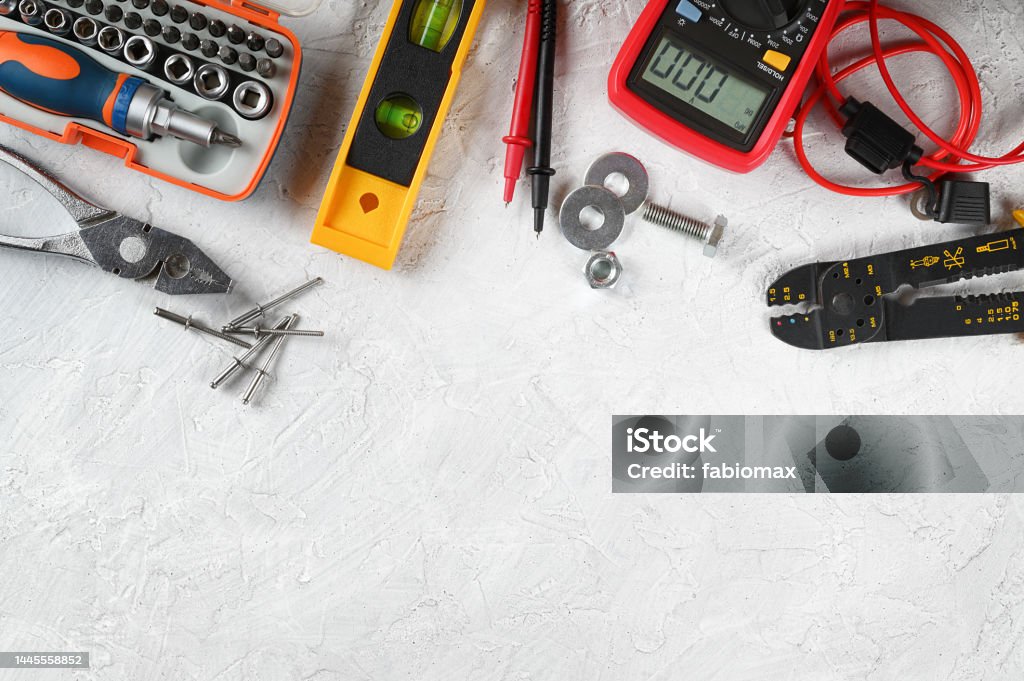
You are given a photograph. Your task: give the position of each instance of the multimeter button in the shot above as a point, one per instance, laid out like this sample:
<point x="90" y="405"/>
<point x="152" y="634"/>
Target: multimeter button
<point x="688" y="11"/>
<point x="776" y="60"/>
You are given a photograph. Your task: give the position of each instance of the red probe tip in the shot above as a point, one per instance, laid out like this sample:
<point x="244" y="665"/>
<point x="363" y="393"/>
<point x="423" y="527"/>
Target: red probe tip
<point x="510" y="189"/>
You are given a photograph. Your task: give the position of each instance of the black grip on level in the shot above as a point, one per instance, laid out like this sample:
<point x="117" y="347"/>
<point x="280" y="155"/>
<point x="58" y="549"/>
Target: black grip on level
<point x="411" y="70"/>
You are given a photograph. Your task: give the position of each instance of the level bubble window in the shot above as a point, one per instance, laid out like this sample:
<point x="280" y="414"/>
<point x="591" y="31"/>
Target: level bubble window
<point x="398" y="116"/>
<point x="433" y="23"/>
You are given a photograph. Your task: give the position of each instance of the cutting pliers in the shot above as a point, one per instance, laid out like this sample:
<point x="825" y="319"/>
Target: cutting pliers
<point x="850" y="301"/>
<point x="129" y="248"/>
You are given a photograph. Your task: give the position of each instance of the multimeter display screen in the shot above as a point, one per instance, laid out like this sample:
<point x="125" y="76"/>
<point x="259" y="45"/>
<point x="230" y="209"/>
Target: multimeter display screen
<point x="704" y="84"/>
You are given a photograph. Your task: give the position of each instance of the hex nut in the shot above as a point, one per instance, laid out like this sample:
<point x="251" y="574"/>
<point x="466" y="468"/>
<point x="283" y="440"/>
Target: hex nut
<point x="603" y="270"/>
<point x="715" y="236"/>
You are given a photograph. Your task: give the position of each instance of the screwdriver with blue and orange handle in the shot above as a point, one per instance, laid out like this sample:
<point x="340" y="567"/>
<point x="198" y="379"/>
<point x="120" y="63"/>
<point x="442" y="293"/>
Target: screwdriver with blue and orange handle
<point x="63" y="80"/>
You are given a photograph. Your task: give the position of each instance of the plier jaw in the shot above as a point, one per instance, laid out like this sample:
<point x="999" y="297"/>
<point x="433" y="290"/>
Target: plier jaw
<point x="850" y="302"/>
<point x="120" y="245"/>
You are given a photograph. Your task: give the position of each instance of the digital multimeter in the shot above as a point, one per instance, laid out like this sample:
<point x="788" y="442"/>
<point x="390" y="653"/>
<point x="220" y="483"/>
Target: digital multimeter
<point x="720" y="79"/>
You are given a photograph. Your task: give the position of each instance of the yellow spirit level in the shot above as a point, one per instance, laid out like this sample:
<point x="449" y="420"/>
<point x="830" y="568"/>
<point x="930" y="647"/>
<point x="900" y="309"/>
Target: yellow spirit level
<point x="392" y="134"/>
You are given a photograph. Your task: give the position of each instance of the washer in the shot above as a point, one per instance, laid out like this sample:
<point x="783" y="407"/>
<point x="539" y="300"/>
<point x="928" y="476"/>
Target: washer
<point x="634" y="172"/>
<point x="603" y="200"/>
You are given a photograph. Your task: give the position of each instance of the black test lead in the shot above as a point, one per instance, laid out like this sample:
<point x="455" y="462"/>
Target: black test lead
<point x="543" y="103"/>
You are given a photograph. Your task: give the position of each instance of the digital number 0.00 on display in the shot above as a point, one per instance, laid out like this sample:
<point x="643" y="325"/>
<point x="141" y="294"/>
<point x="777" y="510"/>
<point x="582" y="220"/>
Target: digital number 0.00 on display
<point x="704" y="84"/>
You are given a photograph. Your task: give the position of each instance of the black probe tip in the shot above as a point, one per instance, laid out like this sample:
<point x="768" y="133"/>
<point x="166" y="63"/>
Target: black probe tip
<point x="538" y="221"/>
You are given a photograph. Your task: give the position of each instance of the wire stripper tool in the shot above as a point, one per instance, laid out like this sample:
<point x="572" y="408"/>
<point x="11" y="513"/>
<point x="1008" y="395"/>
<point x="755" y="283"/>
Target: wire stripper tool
<point x="123" y="246"/>
<point x="850" y="300"/>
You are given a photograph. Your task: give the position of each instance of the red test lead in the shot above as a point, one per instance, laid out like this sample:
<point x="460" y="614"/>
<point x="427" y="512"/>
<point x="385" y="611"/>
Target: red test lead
<point x="518" y="139"/>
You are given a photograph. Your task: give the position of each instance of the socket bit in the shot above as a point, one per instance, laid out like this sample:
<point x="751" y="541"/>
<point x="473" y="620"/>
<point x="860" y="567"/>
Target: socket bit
<point x="201" y="328"/>
<point x="140" y="4"/>
<point x="246" y="62"/>
<point x="179" y="69"/>
<point x="240" y="363"/>
<point x="57" y="21"/>
<point x="110" y="39"/>
<point x="151" y="27"/>
<point x="228" y="54"/>
<point x="171" y="35"/>
<point x="261" y="310"/>
<point x="189" y="41"/>
<point x="211" y="81"/>
<point x="179" y="14"/>
<point x="255" y="42"/>
<point x="217" y="28"/>
<point x="236" y="36"/>
<point x="266" y="68"/>
<point x="113" y="14"/>
<point x="139" y="51"/>
<point x="86" y="31"/>
<point x="31" y="12"/>
<point x="208" y="48"/>
<point x="252" y="100"/>
<point x="8" y="7"/>
<point x="75" y="4"/>
<point x="159" y="8"/>
<point x="274" y="48"/>
<point x="94" y="7"/>
<point x="264" y="372"/>
<point x="197" y="21"/>
<point x="132" y="20"/>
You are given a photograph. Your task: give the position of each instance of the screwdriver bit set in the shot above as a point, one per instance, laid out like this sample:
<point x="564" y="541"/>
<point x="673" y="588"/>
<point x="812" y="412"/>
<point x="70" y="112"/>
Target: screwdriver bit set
<point x="195" y="94"/>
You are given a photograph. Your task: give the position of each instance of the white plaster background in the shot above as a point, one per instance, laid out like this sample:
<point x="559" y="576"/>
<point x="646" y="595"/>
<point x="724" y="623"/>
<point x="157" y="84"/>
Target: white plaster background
<point x="426" y="493"/>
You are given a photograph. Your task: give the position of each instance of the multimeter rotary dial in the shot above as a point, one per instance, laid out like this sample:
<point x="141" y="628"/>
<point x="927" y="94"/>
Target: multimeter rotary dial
<point x="764" y="15"/>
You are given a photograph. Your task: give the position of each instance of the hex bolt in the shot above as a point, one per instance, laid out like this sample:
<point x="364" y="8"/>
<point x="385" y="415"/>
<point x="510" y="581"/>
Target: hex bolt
<point x="189" y="41"/>
<point x="709" y="235"/>
<point x="274" y="48"/>
<point x="94" y="7"/>
<point x="198" y="21"/>
<point x="266" y="68"/>
<point x="201" y="328"/>
<point x="239" y="363"/>
<point x="261" y="310"/>
<point x="217" y="28"/>
<point x="264" y="372"/>
<point x="110" y="39"/>
<point x="259" y="332"/>
<point x="113" y="14"/>
<point x="246" y="62"/>
<point x="179" y="14"/>
<point x="132" y="20"/>
<point x="85" y="30"/>
<point x="31" y="12"/>
<point x="236" y="36"/>
<point x="255" y="42"/>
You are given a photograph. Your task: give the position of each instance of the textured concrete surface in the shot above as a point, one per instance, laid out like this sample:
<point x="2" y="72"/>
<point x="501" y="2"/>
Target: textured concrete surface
<point x="426" y="493"/>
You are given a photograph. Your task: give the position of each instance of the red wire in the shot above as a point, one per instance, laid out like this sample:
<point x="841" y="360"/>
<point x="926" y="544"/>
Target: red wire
<point x="953" y="154"/>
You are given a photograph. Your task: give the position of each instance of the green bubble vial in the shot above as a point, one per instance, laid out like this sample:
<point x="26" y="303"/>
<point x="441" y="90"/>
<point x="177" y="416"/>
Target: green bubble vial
<point x="398" y="116"/>
<point x="434" y="22"/>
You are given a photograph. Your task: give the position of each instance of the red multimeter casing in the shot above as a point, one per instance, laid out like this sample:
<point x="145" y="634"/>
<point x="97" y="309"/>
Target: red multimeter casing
<point x="720" y="41"/>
